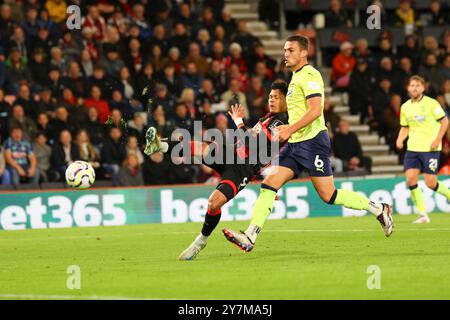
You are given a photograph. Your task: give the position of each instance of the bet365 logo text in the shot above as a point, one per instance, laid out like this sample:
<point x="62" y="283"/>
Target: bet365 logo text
<point x="374" y="20"/>
<point x="74" y="17"/>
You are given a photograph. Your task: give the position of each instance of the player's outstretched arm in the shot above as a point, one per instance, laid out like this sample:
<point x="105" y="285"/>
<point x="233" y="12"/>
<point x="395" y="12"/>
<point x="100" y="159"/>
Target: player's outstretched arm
<point x="442" y="131"/>
<point x="402" y="135"/>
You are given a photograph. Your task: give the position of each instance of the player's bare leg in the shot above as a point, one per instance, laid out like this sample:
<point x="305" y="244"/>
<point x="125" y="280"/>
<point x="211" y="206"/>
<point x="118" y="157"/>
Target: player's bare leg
<point x="263" y="207"/>
<point x="212" y="218"/>
<point x="353" y="200"/>
<point x="412" y="179"/>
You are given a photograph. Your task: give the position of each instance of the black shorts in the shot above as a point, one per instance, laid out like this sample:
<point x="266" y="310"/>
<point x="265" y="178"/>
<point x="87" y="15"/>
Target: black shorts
<point x="234" y="179"/>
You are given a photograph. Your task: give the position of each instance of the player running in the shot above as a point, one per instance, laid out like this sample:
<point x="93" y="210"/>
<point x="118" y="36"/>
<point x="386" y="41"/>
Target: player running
<point x="234" y="176"/>
<point x="424" y="122"/>
<point x="308" y="148"/>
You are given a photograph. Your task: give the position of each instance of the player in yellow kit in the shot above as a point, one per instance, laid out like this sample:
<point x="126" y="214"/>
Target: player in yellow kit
<point x="424" y="122"/>
<point x="308" y="148"/>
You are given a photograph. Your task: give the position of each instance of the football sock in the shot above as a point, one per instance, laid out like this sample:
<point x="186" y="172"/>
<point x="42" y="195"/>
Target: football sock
<point x="212" y="218"/>
<point x="442" y="189"/>
<point x="261" y="210"/>
<point x="417" y="199"/>
<point x="354" y="200"/>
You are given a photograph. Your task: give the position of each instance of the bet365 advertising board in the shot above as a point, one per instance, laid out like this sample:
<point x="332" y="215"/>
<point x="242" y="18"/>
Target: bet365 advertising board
<point x="178" y="204"/>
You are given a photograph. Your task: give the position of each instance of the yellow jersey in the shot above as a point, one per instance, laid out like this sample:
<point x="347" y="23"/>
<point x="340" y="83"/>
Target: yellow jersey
<point x="306" y="83"/>
<point x="422" y="118"/>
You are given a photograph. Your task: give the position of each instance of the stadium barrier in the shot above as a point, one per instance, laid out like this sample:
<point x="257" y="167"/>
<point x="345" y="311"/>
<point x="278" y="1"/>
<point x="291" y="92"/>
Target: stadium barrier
<point x="187" y="203"/>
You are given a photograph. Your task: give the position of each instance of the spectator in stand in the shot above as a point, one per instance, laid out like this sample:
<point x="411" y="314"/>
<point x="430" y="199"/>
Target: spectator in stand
<point x="241" y="78"/>
<point x="384" y="50"/>
<point x="410" y="50"/>
<point x="113" y="153"/>
<point x="342" y="66"/>
<point x="5" y="177"/>
<point x="17" y="40"/>
<point x="44" y="126"/>
<point x="164" y="126"/>
<point x="17" y="71"/>
<point x="430" y="46"/>
<point x="96" y="101"/>
<point x="146" y="77"/>
<point x="171" y="80"/>
<point x="158" y="38"/>
<point x="195" y="57"/>
<point x="87" y="65"/>
<point x="430" y="71"/>
<point x="55" y="82"/>
<point x="112" y="63"/>
<point x="263" y="73"/>
<point x="380" y="101"/>
<point x="70" y="47"/>
<point x="126" y="83"/>
<point x="405" y="71"/>
<point x="438" y="17"/>
<point x="31" y="23"/>
<point x="95" y="23"/>
<point x="244" y="38"/>
<point x="180" y="39"/>
<point x="100" y="80"/>
<point x="20" y="159"/>
<point x="221" y="37"/>
<point x="332" y="119"/>
<point x="137" y="127"/>
<point x="337" y="17"/>
<point x="57" y="10"/>
<point x="187" y="17"/>
<point x="206" y="115"/>
<point x="26" y="100"/>
<point x="218" y="76"/>
<point x="86" y="149"/>
<point x="138" y="18"/>
<point x="233" y="96"/>
<point x="75" y="81"/>
<point x="164" y="98"/>
<point x="62" y="121"/>
<point x="46" y="101"/>
<point x="204" y="42"/>
<point x="257" y="97"/>
<point x="94" y="128"/>
<point x="283" y="72"/>
<point x="404" y="15"/>
<point x="64" y="152"/>
<point x="133" y="148"/>
<point x="360" y="89"/>
<point x="130" y="173"/>
<point x="175" y="60"/>
<point x="391" y="117"/>
<point x="157" y="169"/>
<point x="347" y="147"/>
<point x="362" y="51"/>
<point x="114" y="39"/>
<point x="18" y="119"/>
<point x="182" y="119"/>
<point x="188" y="98"/>
<point x="39" y="68"/>
<point x="43" y="153"/>
<point x="207" y="93"/>
<point x="259" y="55"/>
<point x="57" y="60"/>
<point x="207" y="20"/>
<point x="157" y="59"/>
<point x="386" y="70"/>
<point x="228" y="22"/>
<point x="192" y="78"/>
<point x="120" y="103"/>
<point x="236" y="57"/>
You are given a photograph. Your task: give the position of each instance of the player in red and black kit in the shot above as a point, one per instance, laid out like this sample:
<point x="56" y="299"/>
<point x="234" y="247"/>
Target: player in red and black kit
<point x="236" y="176"/>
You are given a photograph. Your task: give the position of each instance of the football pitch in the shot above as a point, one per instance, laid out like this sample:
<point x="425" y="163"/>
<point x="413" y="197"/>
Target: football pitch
<point x="315" y="258"/>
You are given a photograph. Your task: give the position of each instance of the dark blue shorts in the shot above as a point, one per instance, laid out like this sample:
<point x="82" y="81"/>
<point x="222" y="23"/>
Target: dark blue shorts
<point x="312" y="155"/>
<point x="427" y="162"/>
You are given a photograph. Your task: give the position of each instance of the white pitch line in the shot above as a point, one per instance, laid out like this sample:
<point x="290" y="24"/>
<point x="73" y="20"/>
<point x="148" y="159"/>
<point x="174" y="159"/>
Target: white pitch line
<point x="68" y="297"/>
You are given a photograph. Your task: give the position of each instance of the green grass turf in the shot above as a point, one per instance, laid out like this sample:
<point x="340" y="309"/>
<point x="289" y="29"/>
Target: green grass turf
<point x="315" y="258"/>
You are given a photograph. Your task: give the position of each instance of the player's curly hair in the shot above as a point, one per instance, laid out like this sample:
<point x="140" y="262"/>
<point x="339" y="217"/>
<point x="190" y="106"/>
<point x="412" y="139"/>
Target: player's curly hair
<point x="280" y="85"/>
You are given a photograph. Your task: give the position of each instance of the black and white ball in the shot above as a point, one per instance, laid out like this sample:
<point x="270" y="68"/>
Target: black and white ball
<point x="80" y="175"/>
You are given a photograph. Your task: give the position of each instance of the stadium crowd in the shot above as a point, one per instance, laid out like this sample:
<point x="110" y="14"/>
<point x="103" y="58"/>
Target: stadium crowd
<point x="67" y="94"/>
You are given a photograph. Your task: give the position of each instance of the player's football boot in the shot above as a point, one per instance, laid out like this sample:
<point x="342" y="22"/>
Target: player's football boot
<point x="239" y="239"/>
<point x="193" y="250"/>
<point x="385" y="219"/>
<point x="422" y="219"/>
<point x="154" y="143"/>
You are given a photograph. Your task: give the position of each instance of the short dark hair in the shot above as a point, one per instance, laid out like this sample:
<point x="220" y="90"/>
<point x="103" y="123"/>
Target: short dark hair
<point x="302" y="41"/>
<point x="280" y="85"/>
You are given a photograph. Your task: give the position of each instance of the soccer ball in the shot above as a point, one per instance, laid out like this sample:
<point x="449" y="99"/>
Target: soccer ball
<point x="80" y="175"/>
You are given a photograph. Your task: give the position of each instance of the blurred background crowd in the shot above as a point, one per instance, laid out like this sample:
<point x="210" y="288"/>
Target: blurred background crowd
<point x="69" y="95"/>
